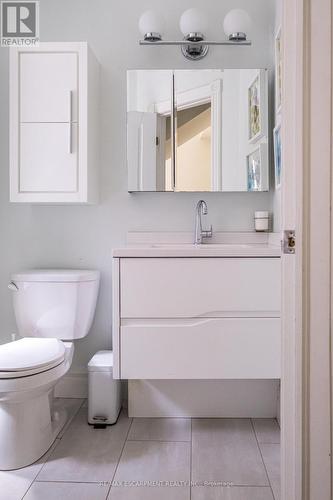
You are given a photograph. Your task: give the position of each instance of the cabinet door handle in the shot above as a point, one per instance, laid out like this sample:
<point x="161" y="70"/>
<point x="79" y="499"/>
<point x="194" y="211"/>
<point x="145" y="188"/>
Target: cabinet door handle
<point x="70" y="102"/>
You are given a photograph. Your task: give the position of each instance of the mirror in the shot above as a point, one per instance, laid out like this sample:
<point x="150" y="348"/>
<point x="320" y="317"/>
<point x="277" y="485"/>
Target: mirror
<point x="149" y="138"/>
<point x="197" y="130"/>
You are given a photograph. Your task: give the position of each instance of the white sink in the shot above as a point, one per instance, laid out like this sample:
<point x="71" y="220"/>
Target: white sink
<point x="181" y="245"/>
<point x="203" y="246"/>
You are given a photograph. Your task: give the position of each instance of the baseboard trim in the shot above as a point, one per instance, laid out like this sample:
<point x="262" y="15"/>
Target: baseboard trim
<point x="72" y="385"/>
<point x="187" y="398"/>
<point x="203" y="398"/>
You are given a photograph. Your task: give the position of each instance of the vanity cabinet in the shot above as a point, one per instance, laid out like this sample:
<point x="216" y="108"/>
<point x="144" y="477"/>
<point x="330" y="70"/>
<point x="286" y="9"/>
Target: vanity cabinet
<point x="197" y="318"/>
<point x="54" y="124"/>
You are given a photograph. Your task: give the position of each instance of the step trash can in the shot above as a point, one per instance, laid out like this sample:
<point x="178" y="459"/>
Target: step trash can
<point x="104" y="400"/>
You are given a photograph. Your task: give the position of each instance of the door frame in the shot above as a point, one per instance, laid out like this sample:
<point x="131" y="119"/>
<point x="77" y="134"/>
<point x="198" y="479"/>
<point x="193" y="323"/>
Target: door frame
<point x="306" y="276"/>
<point x="210" y="93"/>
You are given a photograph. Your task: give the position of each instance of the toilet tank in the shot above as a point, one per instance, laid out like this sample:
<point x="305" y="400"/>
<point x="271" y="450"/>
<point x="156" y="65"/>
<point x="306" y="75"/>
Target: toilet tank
<point x="57" y="303"/>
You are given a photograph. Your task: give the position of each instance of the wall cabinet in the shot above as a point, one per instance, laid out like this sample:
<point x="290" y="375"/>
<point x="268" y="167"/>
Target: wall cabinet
<point x="54" y="124"/>
<point x="197" y="318"/>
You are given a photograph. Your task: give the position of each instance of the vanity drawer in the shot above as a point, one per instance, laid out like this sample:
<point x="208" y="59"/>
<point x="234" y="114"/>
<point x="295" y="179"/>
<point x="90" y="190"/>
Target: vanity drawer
<point x="192" y="287"/>
<point x="221" y="348"/>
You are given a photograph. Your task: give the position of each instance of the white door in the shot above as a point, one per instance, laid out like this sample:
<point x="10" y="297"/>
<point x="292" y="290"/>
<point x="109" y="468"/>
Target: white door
<point x="306" y="204"/>
<point x="292" y="201"/>
<point x="48" y="157"/>
<point x="48" y="87"/>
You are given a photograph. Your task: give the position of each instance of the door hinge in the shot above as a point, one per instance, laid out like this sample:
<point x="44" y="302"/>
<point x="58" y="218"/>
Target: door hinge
<point x="157" y="141"/>
<point x="289" y="241"/>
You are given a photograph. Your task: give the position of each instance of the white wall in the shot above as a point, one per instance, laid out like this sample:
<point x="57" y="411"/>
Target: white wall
<point x="145" y="90"/>
<point x="83" y="236"/>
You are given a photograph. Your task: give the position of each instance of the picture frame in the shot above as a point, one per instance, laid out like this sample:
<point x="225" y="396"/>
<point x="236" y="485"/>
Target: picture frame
<point x="257" y="107"/>
<point x="256" y="163"/>
<point x="278" y="71"/>
<point x="277" y="155"/>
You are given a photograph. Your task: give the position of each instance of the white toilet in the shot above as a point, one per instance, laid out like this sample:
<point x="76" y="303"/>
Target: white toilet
<point x="50" y="306"/>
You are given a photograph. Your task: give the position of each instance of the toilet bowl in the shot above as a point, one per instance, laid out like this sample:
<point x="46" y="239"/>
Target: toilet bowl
<point x="52" y="308"/>
<point x="28" y="426"/>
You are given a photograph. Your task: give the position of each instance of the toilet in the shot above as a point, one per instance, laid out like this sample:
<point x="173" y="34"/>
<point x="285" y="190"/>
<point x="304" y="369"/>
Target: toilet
<point x="52" y="309"/>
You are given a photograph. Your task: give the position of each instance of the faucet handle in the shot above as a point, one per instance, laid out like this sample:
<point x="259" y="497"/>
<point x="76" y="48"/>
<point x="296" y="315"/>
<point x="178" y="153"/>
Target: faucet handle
<point x="208" y="233"/>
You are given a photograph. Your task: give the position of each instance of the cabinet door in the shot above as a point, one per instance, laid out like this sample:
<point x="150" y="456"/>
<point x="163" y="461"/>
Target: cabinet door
<point x="48" y="157"/>
<point x="185" y="287"/>
<point x="219" y="348"/>
<point x="48" y="87"/>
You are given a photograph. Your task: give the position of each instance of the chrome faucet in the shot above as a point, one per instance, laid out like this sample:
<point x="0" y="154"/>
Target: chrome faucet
<point x="199" y="234"/>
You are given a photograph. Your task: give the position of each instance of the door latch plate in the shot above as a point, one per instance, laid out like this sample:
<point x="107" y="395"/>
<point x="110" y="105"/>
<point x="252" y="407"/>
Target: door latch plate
<point x="289" y="241"/>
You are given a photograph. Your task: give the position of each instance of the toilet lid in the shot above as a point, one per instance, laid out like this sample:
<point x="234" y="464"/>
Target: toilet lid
<point x="30" y="354"/>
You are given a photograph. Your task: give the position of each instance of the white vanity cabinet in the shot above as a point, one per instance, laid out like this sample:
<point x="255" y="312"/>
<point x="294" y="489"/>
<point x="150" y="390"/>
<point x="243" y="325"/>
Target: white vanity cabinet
<point x="197" y="318"/>
<point x="54" y="124"/>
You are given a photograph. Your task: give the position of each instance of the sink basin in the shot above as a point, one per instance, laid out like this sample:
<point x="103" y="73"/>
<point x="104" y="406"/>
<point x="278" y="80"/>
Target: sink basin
<point x="204" y="250"/>
<point x="177" y="244"/>
<point x="202" y="246"/>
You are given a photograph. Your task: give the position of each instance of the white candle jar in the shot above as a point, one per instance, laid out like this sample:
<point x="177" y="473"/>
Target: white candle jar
<point x="261" y="221"/>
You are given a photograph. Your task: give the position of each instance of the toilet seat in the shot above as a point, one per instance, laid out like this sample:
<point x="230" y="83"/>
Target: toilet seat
<point x="30" y="356"/>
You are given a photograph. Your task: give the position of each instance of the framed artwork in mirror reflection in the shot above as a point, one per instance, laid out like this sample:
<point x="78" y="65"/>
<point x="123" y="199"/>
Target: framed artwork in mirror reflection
<point x="277" y="155"/>
<point x="256" y="163"/>
<point x="278" y="71"/>
<point x="257" y="107"/>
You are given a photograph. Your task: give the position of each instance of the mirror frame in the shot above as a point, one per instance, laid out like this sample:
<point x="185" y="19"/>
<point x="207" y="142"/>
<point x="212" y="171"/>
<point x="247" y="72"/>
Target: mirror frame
<point x="216" y="92"/>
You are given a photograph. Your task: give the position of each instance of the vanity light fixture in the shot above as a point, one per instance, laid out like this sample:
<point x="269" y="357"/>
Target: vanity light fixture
<point x="151" y="26"/>
<point x="193" y="24"/>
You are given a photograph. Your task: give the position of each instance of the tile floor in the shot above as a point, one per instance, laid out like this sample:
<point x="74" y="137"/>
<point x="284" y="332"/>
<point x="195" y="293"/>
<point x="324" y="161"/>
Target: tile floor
<point x="153" y="459"/>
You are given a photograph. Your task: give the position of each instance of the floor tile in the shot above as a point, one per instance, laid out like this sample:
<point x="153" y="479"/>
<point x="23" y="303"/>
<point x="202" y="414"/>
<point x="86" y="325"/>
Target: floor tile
<point x="85" y="453"/>
<point x="267" y="430"/>
<point x="85" y="403"/>
<point x="14" y="484"/>
<point x="161" y="429"/>
<point x="154" y="461"/>
<point x="66" y="491"/>
<point x="150" y="493"/>
<point x="226" y="450"/>
<point x="71" y="406"/>
<point x="232" y="493"/>
<point x="271" y="456"/>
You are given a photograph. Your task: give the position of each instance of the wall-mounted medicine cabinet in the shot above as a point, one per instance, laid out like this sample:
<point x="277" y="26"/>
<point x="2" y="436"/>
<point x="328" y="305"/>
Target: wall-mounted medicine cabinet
<point x="197" y="130"/>
<point x="54" y="124"/>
